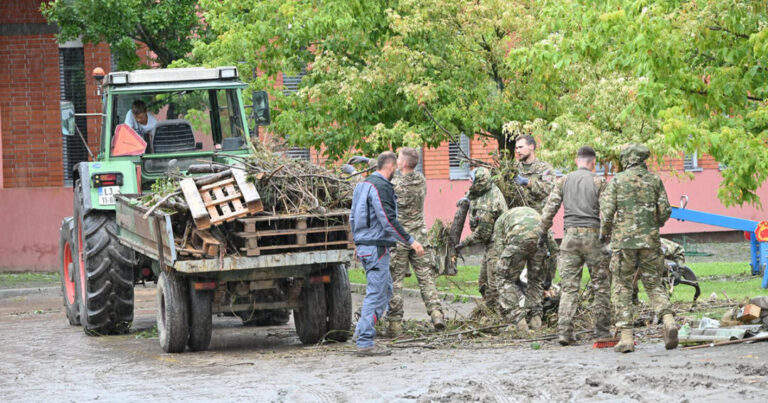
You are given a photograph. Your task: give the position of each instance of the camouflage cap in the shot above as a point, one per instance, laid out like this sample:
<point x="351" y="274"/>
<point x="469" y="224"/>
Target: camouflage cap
<point x="634" y="154"/>
<point x="481" y="181"/>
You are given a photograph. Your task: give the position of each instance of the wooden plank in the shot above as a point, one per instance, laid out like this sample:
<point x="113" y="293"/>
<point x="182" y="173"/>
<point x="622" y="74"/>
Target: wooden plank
<point x="248" y="190"/>
<point x="223" y="218"/>
<point x="301" y="224"/>
<point x="263" y="218"/>
<point x="289" y="231"/>
<point x="195" y="203"/>
<point x="225" y="210"/>
<point x="236" y="196"/>
<point x="217" y="184"/>
<point x="210" y="244"/>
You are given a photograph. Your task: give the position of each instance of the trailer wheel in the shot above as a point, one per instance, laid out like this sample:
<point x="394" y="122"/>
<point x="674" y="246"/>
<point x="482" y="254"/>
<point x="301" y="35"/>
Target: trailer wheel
<point x="310" y="318"/>
<point x="271" y="317"/>
<point x="105" y="272"/>
<point x="200" y="319"/>
<point x="172" y="315"/>
<point x="338" y="298"/>
<point x="67" y="273"/>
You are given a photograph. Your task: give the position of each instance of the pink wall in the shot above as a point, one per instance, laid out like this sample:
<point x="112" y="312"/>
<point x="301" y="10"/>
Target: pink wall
<point x="442" y="195"/>
<point x="30" y="221"/>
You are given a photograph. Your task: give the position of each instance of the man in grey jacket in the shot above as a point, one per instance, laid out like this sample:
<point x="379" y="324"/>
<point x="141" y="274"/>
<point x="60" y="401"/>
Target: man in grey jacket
<point x="375" y="227"/>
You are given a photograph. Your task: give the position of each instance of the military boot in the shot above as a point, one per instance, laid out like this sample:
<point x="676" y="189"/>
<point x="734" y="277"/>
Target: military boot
<point x="536" y="322"/>
<point x="437" y="320"/>
<point x="670" y="331"/>
<point x="394" y="329"/>
<point x="626" y="343"/>
<point x="564" y="339"/>
<point x="522" y="325"/>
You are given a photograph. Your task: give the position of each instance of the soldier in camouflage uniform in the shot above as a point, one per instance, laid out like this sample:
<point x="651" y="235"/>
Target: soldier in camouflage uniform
<point x="486" y="205"/>
<point x="514" y="241"/>
<point x="579" y="192"/>
<point x="534" y="179"/>
<point x="673" y="251"/>
<point x="410" y="190"/>
<point x="633" y="207"/>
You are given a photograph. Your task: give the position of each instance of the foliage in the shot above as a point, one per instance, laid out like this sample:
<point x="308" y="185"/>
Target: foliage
<point x="674" y="75"/>
<point x="165" y="27"/>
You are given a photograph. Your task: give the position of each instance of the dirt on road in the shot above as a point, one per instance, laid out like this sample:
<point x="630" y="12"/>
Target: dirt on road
<point x="43" y="358"/>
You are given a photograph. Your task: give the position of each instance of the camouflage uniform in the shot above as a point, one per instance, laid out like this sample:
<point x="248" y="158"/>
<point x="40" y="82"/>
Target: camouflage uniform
<point x="673" y="251"/>
<point x="580" y="245"/>
<point x="514" y="241"/>
<point x="486" y="205"/>
<point x="633" y="207"/>
<point x="411" y="189"/>
<point x="542" y="177"/>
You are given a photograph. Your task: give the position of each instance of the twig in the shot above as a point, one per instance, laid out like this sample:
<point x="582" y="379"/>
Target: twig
<point x="166" y="197"/>
<point x="450" y="334"/>
<point x="274" y="172"/>
<point x="725" y="343"/>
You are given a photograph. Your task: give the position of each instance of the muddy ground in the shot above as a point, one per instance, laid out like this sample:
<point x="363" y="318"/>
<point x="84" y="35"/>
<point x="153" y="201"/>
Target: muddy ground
<point x="43" y="358"/>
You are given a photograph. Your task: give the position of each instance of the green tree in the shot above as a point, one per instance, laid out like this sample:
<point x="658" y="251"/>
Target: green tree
<point x="676" y="75"/>
<point x="164" y="26"/>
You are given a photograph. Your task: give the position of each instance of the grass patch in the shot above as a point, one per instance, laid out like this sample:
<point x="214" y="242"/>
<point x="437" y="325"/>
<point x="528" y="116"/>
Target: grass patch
<point x="150" y="333"/>
<point x="733" y="278"/>
<point x="15" y="280"/>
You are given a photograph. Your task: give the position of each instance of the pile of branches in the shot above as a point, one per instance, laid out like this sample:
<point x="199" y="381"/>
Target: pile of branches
<point x="291" y="186"/>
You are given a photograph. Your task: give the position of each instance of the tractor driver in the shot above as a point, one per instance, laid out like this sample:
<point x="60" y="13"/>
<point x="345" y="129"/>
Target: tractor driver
<point x="141" y="120"/>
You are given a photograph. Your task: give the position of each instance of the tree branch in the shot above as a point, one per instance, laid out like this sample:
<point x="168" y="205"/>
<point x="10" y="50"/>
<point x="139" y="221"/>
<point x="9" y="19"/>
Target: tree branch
<point x="471" y="160"/>
<point x="736" y="34"/>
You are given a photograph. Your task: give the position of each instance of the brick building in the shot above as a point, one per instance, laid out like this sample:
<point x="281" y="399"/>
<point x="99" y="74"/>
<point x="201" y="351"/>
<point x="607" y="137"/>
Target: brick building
<point x="37" y="73"/>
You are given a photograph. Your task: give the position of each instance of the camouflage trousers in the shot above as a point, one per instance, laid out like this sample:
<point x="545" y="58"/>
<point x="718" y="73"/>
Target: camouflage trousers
<point x="486" y="281"/>
<point x="582" y="246"/>
<point x="550" y="262"/>
<point x="645" y="264"/>
<point x="510" y="265"/>
<point x="402" y="258"/>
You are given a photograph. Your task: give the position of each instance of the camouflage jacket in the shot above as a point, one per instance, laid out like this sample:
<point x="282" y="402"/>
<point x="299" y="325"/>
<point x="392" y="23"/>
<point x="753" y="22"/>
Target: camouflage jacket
<point x="411" y="189"/>
<point x="516" y="225"/>
<point x="673" y="251"/>
<point x="541" y="177"/>
<point x="585" y="215"/>
<point x="486" y="205"/>
<point x="634" y="204"/>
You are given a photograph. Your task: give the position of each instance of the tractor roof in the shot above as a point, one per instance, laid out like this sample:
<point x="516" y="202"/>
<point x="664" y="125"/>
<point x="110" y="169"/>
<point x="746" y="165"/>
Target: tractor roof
<point x="164" y="76"/>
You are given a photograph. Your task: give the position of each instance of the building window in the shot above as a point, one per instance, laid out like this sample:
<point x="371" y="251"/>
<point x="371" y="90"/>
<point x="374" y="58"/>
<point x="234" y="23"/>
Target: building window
<point x="600" y="168"/>
<point x="290" y="86"/>
<point x="72" y="87"/>
<point x="457" y="153"/>
<point x="691" y="162"/>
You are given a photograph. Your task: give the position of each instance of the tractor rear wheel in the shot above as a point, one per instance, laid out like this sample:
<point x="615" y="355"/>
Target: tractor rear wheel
<point x="67" y="273"/>
<point x="310" y="317"/>
<point x="105" y="271"/>
<point x="172" y="312"/>
<point x="338" y="299"/>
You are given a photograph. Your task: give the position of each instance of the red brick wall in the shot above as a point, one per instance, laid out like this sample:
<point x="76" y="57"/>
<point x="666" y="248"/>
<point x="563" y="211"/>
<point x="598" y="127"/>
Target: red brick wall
<point x="21" y="12"/>
<point x="31" y="120"/>
<point x="95" y="56"/>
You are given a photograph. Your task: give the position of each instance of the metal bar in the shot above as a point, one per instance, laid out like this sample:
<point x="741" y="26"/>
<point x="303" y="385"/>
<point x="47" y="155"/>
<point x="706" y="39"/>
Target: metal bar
<point x="265" y="261"/>
<point x="714" y="219"/>
<point x="258" y="306"/>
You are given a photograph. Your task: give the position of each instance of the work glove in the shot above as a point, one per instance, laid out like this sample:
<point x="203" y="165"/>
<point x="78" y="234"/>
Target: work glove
<point x="358" y="159"/>
<point x="546" y="284"/>
<point x="461" y="201"/>
<point x="521" y="180"/>
<point x="542" y="240"/>
<point x="348" y="169"/>
<point x="604" y="239"/>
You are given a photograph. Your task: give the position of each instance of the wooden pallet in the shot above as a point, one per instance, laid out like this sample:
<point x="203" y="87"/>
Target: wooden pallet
<point x="273" y="234"/>
<point x="221" y="201"/>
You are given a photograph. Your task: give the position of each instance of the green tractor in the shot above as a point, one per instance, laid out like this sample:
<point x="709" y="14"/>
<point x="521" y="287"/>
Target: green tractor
<point x="196" y="115"/>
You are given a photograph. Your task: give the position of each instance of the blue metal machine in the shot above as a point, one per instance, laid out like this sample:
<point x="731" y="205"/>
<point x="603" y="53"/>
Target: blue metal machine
<point x="757" y="230"/>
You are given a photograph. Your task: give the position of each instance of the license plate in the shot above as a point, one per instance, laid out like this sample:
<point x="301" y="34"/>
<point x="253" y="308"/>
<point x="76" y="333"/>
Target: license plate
<point x="107" y="194"/>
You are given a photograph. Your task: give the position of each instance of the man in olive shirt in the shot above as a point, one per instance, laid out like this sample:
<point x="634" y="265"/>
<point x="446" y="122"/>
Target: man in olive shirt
<point x="579" y="192"/>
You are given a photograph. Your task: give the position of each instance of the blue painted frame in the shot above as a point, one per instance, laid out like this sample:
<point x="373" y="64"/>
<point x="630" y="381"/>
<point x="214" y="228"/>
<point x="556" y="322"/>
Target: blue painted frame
<point x="759" y="258"/>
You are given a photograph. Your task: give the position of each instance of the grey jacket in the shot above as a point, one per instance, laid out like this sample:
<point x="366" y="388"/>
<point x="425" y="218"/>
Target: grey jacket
<point x="374" y="214"/>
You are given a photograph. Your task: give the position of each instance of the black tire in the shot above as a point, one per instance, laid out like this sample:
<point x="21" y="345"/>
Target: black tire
<point x="172" y="313"/>
<point x="200" y="319"/>
<point x="68" y="272"/>
<point x="271" y="317"/>
<point x="105" y="272"/>
<point x="338" y="299"/>
<point x="310" y="318"/>
<point x="687" y="273"/>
